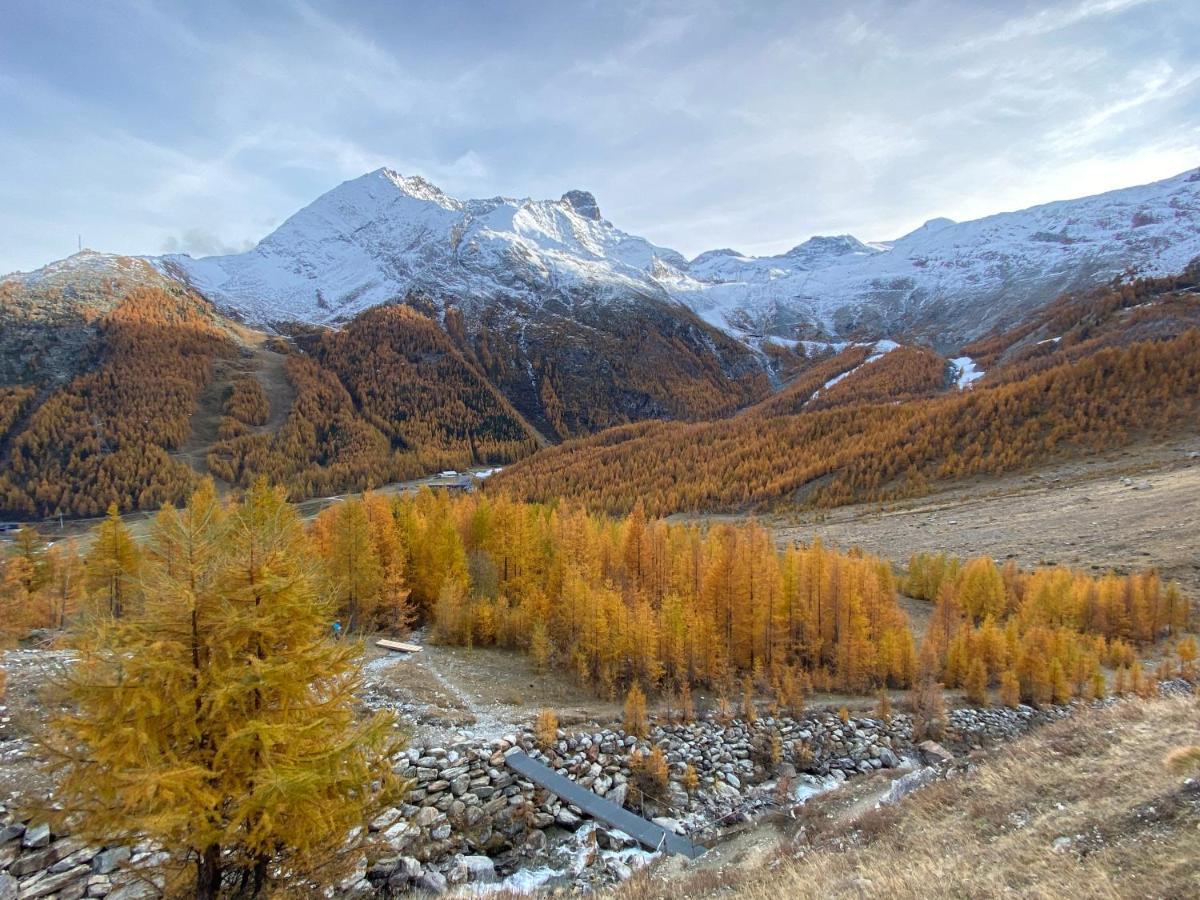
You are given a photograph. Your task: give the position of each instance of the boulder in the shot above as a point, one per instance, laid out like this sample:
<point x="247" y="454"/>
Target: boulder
<point x="399" y="835"/>
<point x="613" y="839"/>
<point x="36" y="837"/>
<point x="8" y="887"/>
<point x="906" y="784"/>
<point x="41" y="859"/>
<point x="889" y="759"/>
<point x="934" y="753"/>
<point x="138" y="889"/>
<point x="385" y="819"/>
<point x="427" y="817"/>
<point x="106" y="861"/>
<point x="618" y="793"/>
<point x="432" y="882"/>
<point x="479" y="869"/>
<point x="668" y="824"/>
<point x="456" y="873"/>
<point x="535" y="841"/>
<point x="72" y="859"/>
<point x="55" y="884"/>
<point x="617" y="869"/>
<point x="567" y="819"/>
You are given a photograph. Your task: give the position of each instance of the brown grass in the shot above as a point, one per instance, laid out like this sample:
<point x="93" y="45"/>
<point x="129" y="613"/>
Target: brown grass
<point x="1131" y="825"/>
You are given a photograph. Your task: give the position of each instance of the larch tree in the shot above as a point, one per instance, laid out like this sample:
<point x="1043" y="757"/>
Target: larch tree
<point x="635" y="712"/>
<point x="394" y="609"/>
<point x="112" y="565"/>
<point x="29" y="545"/>
<point x="925" y="698"/>
<point x="15" y="599"/>
<point x="976" y="683"/>
<point x="357" y="576"/>
<point x="217" y="718"/>
<point x="65" y="589"/>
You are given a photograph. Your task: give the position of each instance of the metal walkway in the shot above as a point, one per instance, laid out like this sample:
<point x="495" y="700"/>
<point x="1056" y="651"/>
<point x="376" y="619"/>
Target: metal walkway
<point x="646" y="833"/>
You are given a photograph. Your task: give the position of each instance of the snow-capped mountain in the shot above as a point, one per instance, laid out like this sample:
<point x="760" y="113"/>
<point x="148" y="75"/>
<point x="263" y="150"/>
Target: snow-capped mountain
<point x="951" y="281"/>
<point x="384" y="236"/>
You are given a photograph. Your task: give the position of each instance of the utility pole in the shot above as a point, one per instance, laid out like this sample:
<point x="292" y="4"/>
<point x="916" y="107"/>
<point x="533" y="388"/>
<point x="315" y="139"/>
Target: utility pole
<point x="80" y="237"/>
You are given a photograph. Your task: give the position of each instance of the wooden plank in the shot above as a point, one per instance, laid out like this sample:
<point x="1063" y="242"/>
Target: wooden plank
<point x="646" y="833"/>
<point x="397" y="645"/>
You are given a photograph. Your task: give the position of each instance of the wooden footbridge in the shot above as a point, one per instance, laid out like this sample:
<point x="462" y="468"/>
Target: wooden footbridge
<point x="645" y="832"/>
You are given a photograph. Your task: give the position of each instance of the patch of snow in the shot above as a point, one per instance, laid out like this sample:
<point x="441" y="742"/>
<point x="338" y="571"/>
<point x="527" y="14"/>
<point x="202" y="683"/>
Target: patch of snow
<point x="881" y="349"/>
<point x="965" y="371"/>
<point x="1053" y="340"/>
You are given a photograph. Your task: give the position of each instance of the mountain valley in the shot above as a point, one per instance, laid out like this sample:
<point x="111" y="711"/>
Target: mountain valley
<point x="420" y="333"/>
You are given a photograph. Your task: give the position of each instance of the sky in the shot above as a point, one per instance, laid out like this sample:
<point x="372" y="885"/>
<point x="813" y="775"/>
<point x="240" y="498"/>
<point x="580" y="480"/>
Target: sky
<point x="149" y="127"/>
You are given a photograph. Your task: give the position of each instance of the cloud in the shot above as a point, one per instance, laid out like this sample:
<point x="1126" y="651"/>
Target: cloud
<point x="751" y="124"/>
<point x="202" y="242"/>
<point x="1051" y="19"/>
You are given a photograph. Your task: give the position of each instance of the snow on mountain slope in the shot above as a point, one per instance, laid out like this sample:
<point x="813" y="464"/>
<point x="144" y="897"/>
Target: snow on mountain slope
<point x="381" y="236"/>
<point x="950" y="281"/>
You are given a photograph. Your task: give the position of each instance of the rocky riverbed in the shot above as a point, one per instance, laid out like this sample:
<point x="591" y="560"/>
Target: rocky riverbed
<point x="470" y="821"/>
<point x="471" y="824"/>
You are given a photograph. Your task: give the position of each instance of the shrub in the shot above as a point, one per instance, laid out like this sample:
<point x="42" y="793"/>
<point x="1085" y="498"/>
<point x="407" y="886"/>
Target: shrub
<point x="546" y="729"/>
<point x="635" y="712"/>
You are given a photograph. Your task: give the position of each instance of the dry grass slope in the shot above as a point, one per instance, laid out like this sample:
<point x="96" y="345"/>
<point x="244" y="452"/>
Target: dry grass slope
<point x="1087" y="807"/>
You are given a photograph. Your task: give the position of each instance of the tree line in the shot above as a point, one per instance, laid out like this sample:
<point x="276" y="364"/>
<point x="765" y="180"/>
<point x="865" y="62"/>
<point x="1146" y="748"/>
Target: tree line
<point x="666" y="606"/>
<point x="1042" y="636"/>
<point x="874" y="452"/>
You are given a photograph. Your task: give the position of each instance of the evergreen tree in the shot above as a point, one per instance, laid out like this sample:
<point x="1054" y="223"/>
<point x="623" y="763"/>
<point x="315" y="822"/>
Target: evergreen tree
<point x="977" y="683"/>
<point x="217" y="719"/>
<point x="112" y="566"/>
<point x="1010" y="689"/>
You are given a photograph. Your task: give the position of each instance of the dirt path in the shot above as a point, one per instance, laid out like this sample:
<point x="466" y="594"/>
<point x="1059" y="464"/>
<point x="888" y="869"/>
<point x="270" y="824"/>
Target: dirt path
<point x="267" y="367"/>
<point x="206" y="418"/>
<point x="449" y="693"/>
<point x="270" y="374"/>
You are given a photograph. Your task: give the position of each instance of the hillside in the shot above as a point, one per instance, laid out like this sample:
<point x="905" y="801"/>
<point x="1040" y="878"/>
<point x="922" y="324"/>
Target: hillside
<point x="611" y="364"/>
<point x="104" y="436"/>
<point x="1091" y="392"/>
<point x="541" y="322"/>
<point x="1087" y="807"/>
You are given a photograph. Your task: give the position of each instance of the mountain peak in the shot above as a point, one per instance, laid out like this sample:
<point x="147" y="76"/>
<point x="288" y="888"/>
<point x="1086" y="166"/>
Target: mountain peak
<point x="413" y="185"/>
<point x="829" y="245"/>
<point x="583" y="203"/>
<point x="932" y="226"/>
